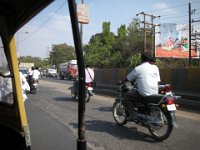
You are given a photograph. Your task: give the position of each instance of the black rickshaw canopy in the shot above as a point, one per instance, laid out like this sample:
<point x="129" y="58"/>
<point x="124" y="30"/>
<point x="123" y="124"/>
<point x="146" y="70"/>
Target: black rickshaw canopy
<point x="19" y="12"/>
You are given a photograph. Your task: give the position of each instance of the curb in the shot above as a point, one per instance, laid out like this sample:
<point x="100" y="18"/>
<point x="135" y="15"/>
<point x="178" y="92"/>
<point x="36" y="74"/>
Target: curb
<point x="188" y="101"/>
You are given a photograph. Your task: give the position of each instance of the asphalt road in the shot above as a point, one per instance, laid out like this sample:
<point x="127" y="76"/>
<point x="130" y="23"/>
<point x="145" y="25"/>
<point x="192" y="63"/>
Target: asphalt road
<point x="52" y="116"/>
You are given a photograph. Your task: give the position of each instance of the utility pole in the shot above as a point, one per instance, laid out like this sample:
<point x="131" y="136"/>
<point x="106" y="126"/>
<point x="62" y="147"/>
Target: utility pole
<point x="195" y="37"/>
<point x="190" y="22"/>
<point x="152" y="29"/>
<point x="189" y="35"/>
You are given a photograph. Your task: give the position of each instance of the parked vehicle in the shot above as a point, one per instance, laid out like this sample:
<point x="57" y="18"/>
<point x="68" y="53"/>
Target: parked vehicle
<point x="68" y="70"/>
<point x="88" y="90"/>
<point x="156" y="112"/>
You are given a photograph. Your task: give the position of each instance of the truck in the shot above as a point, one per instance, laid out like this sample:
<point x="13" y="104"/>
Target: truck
<point x="68" y="70"/>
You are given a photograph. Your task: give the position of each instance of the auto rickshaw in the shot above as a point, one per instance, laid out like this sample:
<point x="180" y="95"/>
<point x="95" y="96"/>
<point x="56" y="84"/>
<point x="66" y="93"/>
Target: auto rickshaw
<point x="14" y="128"/>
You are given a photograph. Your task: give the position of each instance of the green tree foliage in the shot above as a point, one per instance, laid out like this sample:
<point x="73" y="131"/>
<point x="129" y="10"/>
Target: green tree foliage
<point x="29" y="59"/>
<point x="134" y="60"/>
<point x="61" y="53"/>
<point x="108" y="37"/>
<point x="121" y="47"/>
<point x="99" y="51"/>
<point x="135" y="37"/>
<point x="106" y="50"/>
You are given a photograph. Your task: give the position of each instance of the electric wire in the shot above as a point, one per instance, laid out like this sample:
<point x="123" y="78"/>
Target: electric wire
<point x="130" y="18"/>
<point x="47" y="20"/>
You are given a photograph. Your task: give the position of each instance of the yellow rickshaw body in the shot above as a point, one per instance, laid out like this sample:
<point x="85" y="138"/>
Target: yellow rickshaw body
<point x="13" y="15"/>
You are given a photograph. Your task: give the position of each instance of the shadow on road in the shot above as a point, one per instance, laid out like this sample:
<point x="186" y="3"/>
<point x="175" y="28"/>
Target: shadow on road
<point x="104" y="109"/>
<point x="121" y="132"/>
<point x="65" y="99"/>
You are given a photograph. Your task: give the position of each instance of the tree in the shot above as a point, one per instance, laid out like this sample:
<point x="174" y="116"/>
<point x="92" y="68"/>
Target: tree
<point x="29" y="59"/>
<point x="106" y="50"/>
<point x="135" y="37"/>
<point x="120" y="47"/>
<point x="99" y="50"/>
<point x="61" y="53"/>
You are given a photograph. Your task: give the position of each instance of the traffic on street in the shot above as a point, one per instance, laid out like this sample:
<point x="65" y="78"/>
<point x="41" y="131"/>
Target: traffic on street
<point x="52" y="116"/>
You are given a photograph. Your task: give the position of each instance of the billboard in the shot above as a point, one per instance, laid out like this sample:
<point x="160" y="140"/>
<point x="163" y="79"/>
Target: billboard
<point x="173" y="41"/>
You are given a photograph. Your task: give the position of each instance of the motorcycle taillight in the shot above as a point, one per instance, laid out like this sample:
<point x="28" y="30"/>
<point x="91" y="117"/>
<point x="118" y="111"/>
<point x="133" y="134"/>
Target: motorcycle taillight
<point x="170" y="100"/>
<point x="88" y="84"/>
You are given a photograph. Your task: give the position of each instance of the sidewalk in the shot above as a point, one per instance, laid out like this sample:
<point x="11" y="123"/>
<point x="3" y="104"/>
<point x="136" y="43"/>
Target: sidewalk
<point x="189" y="100"/>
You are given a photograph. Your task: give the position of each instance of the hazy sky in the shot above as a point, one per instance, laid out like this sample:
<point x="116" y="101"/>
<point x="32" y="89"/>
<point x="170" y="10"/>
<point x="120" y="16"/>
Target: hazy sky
<point x="52" y="25"/>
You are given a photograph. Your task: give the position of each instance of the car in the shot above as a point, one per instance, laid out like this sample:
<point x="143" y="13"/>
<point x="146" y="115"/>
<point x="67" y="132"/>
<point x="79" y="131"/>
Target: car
<point x="51" y="73"/>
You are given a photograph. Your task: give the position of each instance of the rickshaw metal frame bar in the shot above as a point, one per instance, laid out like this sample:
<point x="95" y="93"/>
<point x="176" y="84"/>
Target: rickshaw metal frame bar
<point x="81" y="142"/>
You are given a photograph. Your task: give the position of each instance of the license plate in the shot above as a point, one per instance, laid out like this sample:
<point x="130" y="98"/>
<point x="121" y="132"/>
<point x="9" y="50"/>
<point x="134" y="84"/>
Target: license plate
<point x="171" y="107"/>
<point x="90" y="88"/>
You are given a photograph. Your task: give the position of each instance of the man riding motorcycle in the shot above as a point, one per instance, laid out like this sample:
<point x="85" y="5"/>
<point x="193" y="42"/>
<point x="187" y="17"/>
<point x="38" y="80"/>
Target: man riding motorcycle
<point x="147" y="76"/>
<point x="33" y="78"/>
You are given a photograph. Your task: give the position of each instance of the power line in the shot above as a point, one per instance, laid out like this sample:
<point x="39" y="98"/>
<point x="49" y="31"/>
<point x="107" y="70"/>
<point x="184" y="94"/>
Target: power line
<point x="44" y="22"/>
<point x="160" y="10"/>
<point x="174" y="6"/>
<point x="168" y="8"/>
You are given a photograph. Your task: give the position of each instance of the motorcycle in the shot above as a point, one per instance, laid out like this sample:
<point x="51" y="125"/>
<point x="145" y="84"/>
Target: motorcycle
<point x="88" y="90"/>
<point x="33" y="83"/>
<point x="155" y="112"/>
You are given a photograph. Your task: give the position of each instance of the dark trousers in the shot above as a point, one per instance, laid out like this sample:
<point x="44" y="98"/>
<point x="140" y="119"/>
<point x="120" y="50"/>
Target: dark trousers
<point x="130" y="98"/>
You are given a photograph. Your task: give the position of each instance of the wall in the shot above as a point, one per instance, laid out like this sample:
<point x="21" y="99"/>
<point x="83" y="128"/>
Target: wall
<point x="180" y="79"/>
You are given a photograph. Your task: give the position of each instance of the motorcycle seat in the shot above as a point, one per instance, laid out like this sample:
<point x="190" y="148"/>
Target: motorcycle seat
<point x="153" y="98"/>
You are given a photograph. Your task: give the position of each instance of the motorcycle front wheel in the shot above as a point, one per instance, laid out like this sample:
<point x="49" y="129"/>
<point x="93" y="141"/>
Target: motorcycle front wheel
<point x="162" y="130"/>
<point x="119" y="113"/>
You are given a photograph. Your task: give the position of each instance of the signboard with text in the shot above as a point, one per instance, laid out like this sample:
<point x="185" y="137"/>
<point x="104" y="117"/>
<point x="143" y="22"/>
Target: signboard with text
<point x="83" y="13"/>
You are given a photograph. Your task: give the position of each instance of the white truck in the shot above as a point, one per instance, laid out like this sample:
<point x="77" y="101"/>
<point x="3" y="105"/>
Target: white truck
<point x="51" y="73"/>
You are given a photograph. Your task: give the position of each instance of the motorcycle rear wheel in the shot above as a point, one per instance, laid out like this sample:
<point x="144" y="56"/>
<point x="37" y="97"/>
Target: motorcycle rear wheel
<point x="87" y="96"/>
<point x="73" y="94"/>
<point x="166" y="126"/>
<point x="33" y="90"/>
<point x="119" y="113"/>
